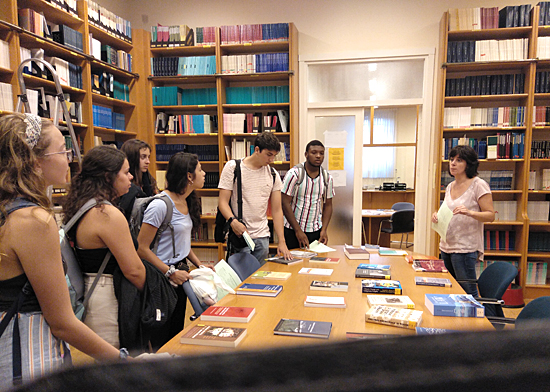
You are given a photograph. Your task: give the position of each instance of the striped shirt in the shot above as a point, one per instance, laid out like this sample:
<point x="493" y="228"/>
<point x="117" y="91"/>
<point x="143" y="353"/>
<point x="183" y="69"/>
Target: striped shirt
<point x="307" y="198"/>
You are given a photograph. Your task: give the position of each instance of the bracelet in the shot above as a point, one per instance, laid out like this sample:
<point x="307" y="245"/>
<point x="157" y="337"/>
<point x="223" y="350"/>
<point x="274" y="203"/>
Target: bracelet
<point x="170" y="271"/>
<point x="123" y="354"/>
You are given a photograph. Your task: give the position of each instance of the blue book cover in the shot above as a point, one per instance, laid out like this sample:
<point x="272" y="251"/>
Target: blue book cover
<point x="381" y="286"/>
<point x="373" y="266"/>
<point x="268" y="290"/>
<point x="454" y="305"/>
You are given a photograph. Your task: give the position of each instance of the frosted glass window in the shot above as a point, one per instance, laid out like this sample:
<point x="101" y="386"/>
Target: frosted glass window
<point x="371" y="81"/>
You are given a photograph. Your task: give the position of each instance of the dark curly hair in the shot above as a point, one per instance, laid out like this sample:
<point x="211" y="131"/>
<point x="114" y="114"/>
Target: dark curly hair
<point x="100" y="167"/>
<point x="179" y="165"/>
<point x="468" y="155"/>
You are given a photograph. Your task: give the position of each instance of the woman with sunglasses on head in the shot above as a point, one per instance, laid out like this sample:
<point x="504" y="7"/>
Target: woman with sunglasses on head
<point x="104" y="176"/>
<point x="32" y="157"/>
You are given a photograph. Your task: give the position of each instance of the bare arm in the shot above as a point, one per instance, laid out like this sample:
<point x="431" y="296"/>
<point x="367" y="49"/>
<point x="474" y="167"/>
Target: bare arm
<point x="223" y="204"/>
<point x="327" y="214"/>
<point x="487" y="213"/>
<point x="289" y="214"/>
<point x="277" y="212"/>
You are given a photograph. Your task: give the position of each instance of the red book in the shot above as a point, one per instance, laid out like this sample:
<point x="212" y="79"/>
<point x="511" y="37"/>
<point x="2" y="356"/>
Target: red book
<point x="429" y="266"/>
<point x="324" y="260"/>
<point x="233" y="314"/>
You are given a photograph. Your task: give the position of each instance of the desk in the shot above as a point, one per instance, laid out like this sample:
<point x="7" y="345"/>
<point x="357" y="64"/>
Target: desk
<point x="290" y="304"/>
<point x="370" y="228"/>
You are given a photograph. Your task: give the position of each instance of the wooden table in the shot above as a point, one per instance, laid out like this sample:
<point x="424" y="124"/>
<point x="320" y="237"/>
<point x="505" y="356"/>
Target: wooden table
<point x="290" y="304"/>
<point x="371" y="224"/>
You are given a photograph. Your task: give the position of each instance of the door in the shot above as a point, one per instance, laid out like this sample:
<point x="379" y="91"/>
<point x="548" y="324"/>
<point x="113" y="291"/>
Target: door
<point x="340" y="130"/>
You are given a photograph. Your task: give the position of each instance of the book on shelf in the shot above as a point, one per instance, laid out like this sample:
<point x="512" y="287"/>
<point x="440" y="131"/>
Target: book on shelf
<point x="303" y="328"/>
<point x="324" y="302"/>
<point x="366" y="335"/>
<point x="316" y="271"/>
<point x="429" y="266"/>
<point x="282" y="260"/>
<point x="324" y="260"/>
<point x="396" y="301"/>
<point x="381" y="286"/>
<point x="303" y="254"/>
<point x="271" y="275"/>
<point x="328" y="285"/>
<point x="233" y="314"/>
<point x="263" y="290"/>
<point x="356" y="253"/>
<point x="429" y="281"/>
<point x="210" y="335"/>
<point x="374" y="271"/>
<point x="392" y="252"/>
<point x="454" y="305"/>
<point x="403" y="318"/>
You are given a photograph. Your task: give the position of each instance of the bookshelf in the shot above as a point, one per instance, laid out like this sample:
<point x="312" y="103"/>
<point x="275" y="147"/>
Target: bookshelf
<point x="224" y="84"/>
<point x="526" y="94"/>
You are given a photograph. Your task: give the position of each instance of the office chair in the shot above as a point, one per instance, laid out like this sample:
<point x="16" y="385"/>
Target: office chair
<point x="195" y="303"/>
<point x="538" y="310"/>
<point x="401" y="222"/>
<point x="492" y="285"/>
<point x="244" y="264"/>
<point x="402" y="206"/>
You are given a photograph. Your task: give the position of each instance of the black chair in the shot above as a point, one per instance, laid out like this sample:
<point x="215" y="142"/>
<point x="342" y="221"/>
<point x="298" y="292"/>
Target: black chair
<point x="195" y="303"/>
<point x="402" y="205"/>
<point x="401" y="222"/>
<point x="244" y="264"/>
<point x="492" y="285"/>
<point x="536" y="311"/>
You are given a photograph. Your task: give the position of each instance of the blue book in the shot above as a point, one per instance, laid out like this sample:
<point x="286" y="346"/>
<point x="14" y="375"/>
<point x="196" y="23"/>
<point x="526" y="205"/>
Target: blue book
<point x="454" y="305"/>
<point x="433" y="331"/>
<point x="264" y="290"/>
<point x="373" y="266"/>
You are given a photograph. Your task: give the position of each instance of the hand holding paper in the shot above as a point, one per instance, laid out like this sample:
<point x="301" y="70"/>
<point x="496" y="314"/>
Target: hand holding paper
<point x="444" y="216"/>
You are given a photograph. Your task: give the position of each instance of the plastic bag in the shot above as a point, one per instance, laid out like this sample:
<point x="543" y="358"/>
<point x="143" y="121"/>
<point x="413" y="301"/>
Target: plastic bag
<point x="205" y="282"/>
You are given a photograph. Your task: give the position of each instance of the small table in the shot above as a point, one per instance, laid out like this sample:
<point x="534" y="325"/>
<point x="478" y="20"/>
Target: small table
<point x="370" y="229"/>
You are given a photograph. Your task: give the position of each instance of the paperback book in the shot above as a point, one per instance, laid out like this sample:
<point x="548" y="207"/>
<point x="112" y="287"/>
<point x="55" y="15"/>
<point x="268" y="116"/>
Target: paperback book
<point x="392" y="252"/>
<point x="264" y="290"/>
<point x="381" y="286"/>
<point x="282" y="260"/>
<point x="411" y="258"/>
<point x="356" y="253"/>
<point x="210" y="335"/>
<point x="271" y="275"/>
<point x="324" y="260"/>
<point x="364" y="335"/>
<point x="303" y="254"/>
<point x="316" y="271"/>
<point x="403" y="318"/>
<point x="429" y="266"/>
<point x="373" y="271"/>
<point x="433" y="331"/>
<point x="328" y="285"/>
<point x="304" y="328"/>
<point x="397" y="301"/>
<point x="454" y="305"/>
<point x="428" y="281"/>
<point x="233" y="314"/>
<point x="324" y="302"/>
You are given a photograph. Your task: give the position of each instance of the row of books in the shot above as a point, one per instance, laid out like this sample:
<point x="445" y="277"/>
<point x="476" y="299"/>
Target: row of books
<point x="176" y="96"/>
<point x="242" y="34"/>
<point x="537" y="273"/>
<point x="105" y="117"/>
<point x="259" y="94"/>
<point x="209" y="204"/>
<point x="508" y="145"/>
<point x="185" y="66"/>
<point x="255" y="122"/>
<point x="68" y="37"/>
<point x="539" y="179"/>
<point x="542" y="82"/>
<point x="65" y="5"/>
<point x="544" y="15"/>
<point x="205" y="36"/>
<point x="6" y="97"/>
<point x="46" y="110"/>
<point x="541" y="115"/>
<point x="207" y="256"/>
<point x="68" y="74"/>
<point x="171" y="36"/>
<point x="185" y="124"/>
<point x="498" y="180"/>
<point x="538" y="211"/>
<point x="104" y="83"/>
<point x="488" y="50"/>
<point x="500" y="240"/>
<point x="103" y="18"/>
<point x="109" y="54"/>
<point x="543" y="47"/>
<point x="208" y="152"/>
<point x="540" y="149"/>
<point x="4" y="55"/>
<point x="481" y="18"/>
<point x="483" y="264"/>
<point x="34" y="22"/>
<point x="505" y="210"/>
<point x="468" y="117"/>
<point x="251" y="63"/>
<point x="539" y="241"/>
<point x="485" y="85"/>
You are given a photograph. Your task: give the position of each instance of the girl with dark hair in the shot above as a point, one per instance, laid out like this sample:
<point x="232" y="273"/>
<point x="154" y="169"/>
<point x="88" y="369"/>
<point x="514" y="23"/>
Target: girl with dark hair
<point x="469" y="198"/>
<point x="183" y="176"/>
<point x="104" y="176"/>
<point x="33" y="156"/>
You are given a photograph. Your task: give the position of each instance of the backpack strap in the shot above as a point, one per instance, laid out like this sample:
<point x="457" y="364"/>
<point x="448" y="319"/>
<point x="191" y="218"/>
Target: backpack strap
<point x="166" y="223"/>
<point x="302" y="174"/>
<point x="237" y="175"/>
<point x="84" y="209"/>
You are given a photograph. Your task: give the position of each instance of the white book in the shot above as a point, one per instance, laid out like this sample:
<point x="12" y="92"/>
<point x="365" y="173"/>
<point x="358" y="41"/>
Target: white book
<point x="316" y="271"/>
<point x="324" y="302"/>
<point x="395" y="301"/>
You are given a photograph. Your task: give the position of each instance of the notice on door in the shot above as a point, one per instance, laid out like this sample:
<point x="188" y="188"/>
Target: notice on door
<point x="336" y="159"/>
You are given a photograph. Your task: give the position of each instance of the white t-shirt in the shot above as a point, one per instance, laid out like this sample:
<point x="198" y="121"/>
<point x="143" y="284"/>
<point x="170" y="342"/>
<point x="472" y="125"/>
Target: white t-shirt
<point x="257" y="186"/>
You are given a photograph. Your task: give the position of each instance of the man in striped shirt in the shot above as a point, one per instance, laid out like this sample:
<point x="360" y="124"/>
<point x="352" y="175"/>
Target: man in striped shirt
<point x="307" y="199"/>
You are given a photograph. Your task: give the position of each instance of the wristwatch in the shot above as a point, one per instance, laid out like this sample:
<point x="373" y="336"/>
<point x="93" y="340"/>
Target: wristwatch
<point x="230" y="220"/>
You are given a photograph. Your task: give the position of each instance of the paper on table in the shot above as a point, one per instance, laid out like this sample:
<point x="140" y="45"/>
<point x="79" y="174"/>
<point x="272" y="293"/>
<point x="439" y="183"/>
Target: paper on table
<point x="444" y="216"/>
<point x="228" y="275"/>
<point x="249" y="241"/>
<point x="316" y="246"/>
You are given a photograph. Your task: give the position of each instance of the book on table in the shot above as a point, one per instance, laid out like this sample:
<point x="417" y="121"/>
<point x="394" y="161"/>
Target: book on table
<point x="303" y="254"/>
<point x="392" y="252"/>
<point x="324" y="260"/>
<point x="454" y="305"/>
<point x="433" y="331"/>
<point x="282" y="260"/>
<point x="411" y="258"/>
<point x="356" y="253"/>
<point x="316" y="271"/>
<point x="429" y="266"/>
<point x="328" y="285"/>
<point x="374" y="271"/>
<point x="264" y="290"/>
<point x="403" y="318"/>
<point x="429" y="281"/>
<point x="210" y="335"/>
<point x="397" y="301"/>
<point x="305" y="328"/>
<point x="376" y="286"/>
<point x="271" y="275"/>
<point x="232" y="314"/>
<point x="365" y="335"/>
<point x="324" y="302"/>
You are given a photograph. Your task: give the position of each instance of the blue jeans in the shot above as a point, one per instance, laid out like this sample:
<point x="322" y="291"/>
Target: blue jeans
<point x="261" y="249"/>
<point x="462" y="266"/>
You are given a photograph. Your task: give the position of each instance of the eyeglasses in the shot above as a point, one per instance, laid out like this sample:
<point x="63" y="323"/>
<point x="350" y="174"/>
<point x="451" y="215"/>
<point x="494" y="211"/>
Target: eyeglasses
<point x="70" y="154"/>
